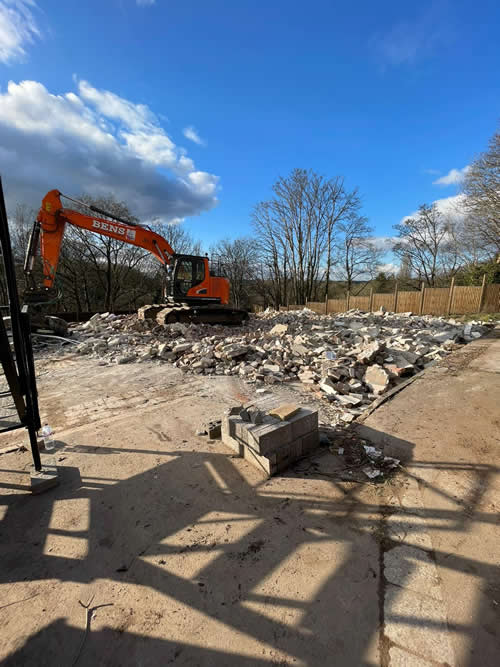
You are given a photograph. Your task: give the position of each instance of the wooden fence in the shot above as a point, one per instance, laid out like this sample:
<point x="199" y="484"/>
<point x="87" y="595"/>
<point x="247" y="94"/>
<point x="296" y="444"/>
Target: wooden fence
<point x="452" y="300"/>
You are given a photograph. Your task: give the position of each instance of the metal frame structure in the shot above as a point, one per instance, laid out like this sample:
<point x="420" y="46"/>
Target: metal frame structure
<point x="17" y="363"/>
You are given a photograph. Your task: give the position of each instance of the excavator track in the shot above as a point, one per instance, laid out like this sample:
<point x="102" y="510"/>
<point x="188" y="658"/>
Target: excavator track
<point x="196" y="314"/>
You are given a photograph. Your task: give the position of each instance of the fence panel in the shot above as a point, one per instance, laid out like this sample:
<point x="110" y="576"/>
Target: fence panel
<point x="408" y="302"/>
<point x="337" y="305"/>
<point x="316" y="307"/>
<point x="436" y="300"/>
<point x="491" y="302"/>
<point x="360" y="302"/>
<point x="465" y="300"/>
<point x="386" y="300"/>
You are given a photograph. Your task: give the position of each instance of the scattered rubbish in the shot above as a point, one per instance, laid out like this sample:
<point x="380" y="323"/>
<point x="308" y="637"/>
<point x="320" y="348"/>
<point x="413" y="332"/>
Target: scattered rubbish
<point x="391" y="462"/>
<point x="340" y="450"/>
<point x="372" y="452"/>
<point x="371" y="473"/>
<point x="12" y="448"/>
<point x="48" y="440"/>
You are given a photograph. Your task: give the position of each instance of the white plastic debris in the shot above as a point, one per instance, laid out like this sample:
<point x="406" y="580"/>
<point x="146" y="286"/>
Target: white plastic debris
<point x="372" y="452"/>
<point x="371" y="473"/>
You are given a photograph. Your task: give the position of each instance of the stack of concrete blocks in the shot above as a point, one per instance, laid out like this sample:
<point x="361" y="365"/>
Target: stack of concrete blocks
<point x="285" y="435"/>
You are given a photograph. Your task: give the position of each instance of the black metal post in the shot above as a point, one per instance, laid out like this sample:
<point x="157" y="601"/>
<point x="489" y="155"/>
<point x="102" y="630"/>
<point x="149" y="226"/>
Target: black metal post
<point x="20" y="374"/>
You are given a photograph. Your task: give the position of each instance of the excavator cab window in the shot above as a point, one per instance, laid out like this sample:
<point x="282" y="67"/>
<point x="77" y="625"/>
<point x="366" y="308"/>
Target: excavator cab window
<point x="189" y="271"/>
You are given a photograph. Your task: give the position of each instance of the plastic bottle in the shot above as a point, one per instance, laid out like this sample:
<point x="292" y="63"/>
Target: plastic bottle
<point x="48" y="440"/>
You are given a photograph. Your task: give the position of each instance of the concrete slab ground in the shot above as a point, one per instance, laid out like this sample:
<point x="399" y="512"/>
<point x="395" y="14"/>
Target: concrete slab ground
<point x="187" y="555"/>
<point x="442" y="559"/>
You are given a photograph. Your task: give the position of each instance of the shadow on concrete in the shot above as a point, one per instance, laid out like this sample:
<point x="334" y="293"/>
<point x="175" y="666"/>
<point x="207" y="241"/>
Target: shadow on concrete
<point x="340" y="614"/>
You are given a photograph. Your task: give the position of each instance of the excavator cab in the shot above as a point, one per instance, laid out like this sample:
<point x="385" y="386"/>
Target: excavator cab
<point x="187" y="273"/>
<point x="190" y="279"/>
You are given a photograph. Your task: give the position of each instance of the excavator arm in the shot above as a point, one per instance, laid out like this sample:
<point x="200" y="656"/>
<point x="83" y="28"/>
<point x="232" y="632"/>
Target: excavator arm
<point x="53" y="218"/>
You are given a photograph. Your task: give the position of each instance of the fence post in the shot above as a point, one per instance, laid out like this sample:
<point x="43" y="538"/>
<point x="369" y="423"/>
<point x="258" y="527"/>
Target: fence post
<point x="347" y="300"/>
<point x="483" y="290"/>
<point x="422" y="296"/>
<point x="450" y="296"/>
<point x="371" y="300"/>
<point x="395" y="296"/>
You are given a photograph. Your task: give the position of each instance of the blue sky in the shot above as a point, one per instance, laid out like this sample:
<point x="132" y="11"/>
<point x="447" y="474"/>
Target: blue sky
<point x="391" y="95"/>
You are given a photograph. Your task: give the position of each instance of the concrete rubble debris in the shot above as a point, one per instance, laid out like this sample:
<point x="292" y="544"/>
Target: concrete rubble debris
<point x="348" y="359"/>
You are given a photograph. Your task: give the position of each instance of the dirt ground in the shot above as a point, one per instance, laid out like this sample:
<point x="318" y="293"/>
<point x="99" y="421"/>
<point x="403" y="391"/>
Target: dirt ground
<point x="185" y="554"/>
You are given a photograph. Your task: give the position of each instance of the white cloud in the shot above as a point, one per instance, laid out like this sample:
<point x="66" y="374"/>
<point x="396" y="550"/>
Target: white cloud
<point x="431" y="172"/>
<point x="451" y="207"/>
<point x="383" y="242"/>
<point x="18" y="28"/>
<point x="145" y="3"/>
<point x="453" y="177"/>
<point x="388" y="268"/>
<point x="410" y="40"/>
<point x="97" y="142"/>
<point x="191" y="134"/>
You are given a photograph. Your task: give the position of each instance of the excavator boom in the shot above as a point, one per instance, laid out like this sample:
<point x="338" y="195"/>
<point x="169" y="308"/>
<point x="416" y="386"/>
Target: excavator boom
<point x="53" y="218"/>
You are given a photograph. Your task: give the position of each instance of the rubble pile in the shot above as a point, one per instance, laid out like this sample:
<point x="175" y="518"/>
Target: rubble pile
<point x="351" y="358"/>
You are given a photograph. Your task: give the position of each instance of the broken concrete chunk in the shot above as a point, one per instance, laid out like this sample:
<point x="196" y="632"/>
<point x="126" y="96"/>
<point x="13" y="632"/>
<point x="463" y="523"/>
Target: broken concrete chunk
<point x="328" y="386"/>
<point x="126" y="359"/>
<point x="181" y="347"/>
<point x="376" y="378"/>
<point x="84" y="348"/>
<point x="279" y="329"/>
<point x="307" y="377"/>
<point x="271" y="368"/>
<point x="299" y="350"/>
<point x="234" y="351"/>
<point x="369" y="352"/>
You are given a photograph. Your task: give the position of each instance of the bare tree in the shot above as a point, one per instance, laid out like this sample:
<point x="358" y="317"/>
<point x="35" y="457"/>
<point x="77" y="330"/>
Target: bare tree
<point x="239" y="259"/>
<point x="357" y="256"/>
<point x="426" y="243"/>
<point x="272" y="276"/>
<point x="179" y="238"/>
<point x="295" y="231"/>
<point x="343" y="211"/>
<point x="404" y="272"/>
<point x="482" y="195"/>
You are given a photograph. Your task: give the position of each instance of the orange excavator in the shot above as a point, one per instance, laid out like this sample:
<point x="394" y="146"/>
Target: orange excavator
<point x="194" y="291"/>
